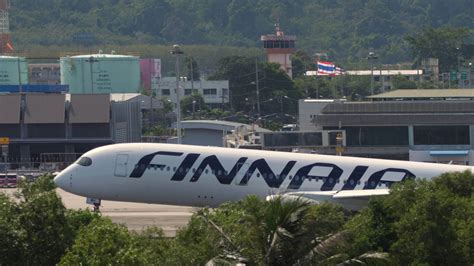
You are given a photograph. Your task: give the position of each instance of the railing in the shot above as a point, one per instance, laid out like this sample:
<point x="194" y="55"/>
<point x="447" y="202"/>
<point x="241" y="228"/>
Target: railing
<point x="46" y="162"/>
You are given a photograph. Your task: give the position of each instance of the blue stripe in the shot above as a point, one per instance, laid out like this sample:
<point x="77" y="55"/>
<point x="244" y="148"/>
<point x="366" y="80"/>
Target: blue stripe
<point x="449" y="153"/>
<point x="326" y="68"/>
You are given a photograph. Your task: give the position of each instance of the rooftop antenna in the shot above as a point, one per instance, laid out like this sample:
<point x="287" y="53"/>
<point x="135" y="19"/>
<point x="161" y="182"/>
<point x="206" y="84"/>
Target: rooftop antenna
<point x="6" y="45"/>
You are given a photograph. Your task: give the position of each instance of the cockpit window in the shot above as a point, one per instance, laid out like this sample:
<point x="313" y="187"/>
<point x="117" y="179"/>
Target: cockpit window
<point x="84" y="161"/>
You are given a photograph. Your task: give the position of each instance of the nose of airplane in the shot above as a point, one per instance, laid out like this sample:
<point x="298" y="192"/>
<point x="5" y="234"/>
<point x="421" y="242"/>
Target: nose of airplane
<point x="62" y="179"/>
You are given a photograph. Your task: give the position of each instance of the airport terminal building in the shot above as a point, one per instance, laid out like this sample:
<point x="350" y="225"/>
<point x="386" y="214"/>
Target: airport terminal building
<point x="416" y="125"/>
<point x="57" y="127"/>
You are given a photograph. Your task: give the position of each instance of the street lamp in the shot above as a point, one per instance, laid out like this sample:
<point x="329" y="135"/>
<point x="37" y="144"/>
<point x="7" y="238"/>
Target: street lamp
<point x="372" y="56"/>
<point x="470" y="73"/>
<point x="176" y="51"/>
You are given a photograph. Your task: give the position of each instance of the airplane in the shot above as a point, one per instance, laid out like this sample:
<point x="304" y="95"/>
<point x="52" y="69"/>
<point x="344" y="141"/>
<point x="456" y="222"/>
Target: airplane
<point x="189" y="175"/>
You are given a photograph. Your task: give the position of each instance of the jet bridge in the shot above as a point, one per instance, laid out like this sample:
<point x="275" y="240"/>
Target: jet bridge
<point x="304" y="139"/>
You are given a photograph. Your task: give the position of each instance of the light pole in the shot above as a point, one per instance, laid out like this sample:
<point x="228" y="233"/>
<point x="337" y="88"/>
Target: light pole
<point x="91" y="61"/>
<point x="370" y="58"/>
<point x="470" y="73"/>
<point x="176" y="51"/>
<point x="256" y="86"/>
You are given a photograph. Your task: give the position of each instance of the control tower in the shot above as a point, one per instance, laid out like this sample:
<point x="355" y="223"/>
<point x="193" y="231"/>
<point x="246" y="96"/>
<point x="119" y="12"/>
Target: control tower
<point x="279" y="48"/>
<point x="5" y="39"/>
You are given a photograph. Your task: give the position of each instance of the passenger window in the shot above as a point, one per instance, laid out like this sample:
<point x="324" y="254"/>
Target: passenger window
<point x="84" y="161"/>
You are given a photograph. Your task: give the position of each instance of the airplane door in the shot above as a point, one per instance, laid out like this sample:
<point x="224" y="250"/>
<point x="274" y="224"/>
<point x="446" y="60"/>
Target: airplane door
<point x="121" y="162"/>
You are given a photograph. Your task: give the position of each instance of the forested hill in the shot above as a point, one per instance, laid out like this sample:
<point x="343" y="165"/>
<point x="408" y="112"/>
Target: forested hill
<point x="345" y="29"/>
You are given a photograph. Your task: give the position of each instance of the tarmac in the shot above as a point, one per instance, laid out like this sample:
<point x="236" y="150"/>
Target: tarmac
<point x="136" y="216"/>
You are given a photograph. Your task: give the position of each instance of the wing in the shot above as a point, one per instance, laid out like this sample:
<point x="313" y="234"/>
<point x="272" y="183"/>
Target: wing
<point x="349" y="199"/>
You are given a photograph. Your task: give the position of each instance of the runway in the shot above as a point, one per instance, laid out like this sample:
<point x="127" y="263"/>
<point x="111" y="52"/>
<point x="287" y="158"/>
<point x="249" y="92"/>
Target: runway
<point x="136" y="216"/>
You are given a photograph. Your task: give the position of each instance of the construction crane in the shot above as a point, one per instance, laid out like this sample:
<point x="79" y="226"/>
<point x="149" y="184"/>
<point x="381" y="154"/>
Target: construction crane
<point x="6" y="46"/>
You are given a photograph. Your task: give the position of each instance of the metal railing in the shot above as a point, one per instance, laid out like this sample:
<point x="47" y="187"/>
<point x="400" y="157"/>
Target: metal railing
<point x="46" y="162"/>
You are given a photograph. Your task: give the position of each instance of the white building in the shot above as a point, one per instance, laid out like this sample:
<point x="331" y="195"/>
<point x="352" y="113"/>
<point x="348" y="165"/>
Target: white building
<point x="383" y="78"/>
<point x="214" y="92"/>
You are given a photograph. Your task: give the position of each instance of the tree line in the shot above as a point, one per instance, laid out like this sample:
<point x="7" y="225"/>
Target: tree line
<point x="347" y="31"/>
<point x="421" y="222"/>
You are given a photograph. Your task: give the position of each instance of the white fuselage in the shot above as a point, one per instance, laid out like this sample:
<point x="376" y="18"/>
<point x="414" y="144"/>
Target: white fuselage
<point x="208" y="176"/>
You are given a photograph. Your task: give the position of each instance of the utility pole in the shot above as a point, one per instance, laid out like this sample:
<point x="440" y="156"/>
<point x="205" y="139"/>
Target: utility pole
<point x="192" y="75"/>
<point x="177" y="52"/>
<point x="371" y="57"/>
<point x="256" y="85"/>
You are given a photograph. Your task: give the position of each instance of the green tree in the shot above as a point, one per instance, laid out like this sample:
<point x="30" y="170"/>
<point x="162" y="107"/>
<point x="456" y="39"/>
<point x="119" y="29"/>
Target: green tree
<point x="301" y="62"/>
<point x="401" y="82"/>
<point x="191" y="104"/>
<point x="192" y="68"/>
<point x="273" y="83"/>
<point x="441" y="43"/>
<point x="416" y="217"/>
<point x="11" y="246"/>
<point x="35" y="227"/>
<point x="103" y="243"/>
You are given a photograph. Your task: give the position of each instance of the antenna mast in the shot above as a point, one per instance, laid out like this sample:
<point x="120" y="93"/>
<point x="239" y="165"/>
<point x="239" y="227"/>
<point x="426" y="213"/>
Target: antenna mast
<point x="5" y="38"/>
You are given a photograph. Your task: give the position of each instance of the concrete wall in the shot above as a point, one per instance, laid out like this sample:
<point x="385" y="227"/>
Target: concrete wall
<point x="203" y="137"/>
<point x="307" y="109"/>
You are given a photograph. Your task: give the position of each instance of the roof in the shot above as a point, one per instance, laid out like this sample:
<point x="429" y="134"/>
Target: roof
<point x="428" y="93"/>
<point x="103" y="56"/>
<point x="89" y="108"/>
<point x="377" y="72"/>
<point x="146" y="102"/>
<point x="120" y="97"/>
<point x="8" y="58"/>
<point x="219" y="125"/>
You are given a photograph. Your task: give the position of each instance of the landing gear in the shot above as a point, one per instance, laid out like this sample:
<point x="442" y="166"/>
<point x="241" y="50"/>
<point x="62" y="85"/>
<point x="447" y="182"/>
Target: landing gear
<point x="95" y="202"/>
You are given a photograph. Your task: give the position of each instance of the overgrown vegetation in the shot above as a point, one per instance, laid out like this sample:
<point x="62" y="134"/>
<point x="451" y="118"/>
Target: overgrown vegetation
<point x="420" y="223"/>
<point x="345" y="30"/>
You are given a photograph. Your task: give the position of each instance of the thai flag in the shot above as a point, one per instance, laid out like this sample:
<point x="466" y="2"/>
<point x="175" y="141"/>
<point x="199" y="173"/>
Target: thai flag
<point x="339" y="71"/>
<point x="326" y="68"/>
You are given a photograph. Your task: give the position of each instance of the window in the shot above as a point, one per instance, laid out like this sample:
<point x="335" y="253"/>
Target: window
<point x="84" y="161"/>
<point x="187" y="92"/>
<point x="210" y="91"/>
<point x="441" y="135"/>
<point x="225" y="91"/>
<point x="375" y="135"/>
<point x="165" y="92"/>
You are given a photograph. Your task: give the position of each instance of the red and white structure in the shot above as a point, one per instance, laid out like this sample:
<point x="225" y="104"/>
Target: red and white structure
<point x="279" y="48"/>
<point x="5" y="39"/>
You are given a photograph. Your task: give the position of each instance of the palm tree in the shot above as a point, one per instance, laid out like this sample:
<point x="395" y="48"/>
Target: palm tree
<point x="283" y="232"/>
